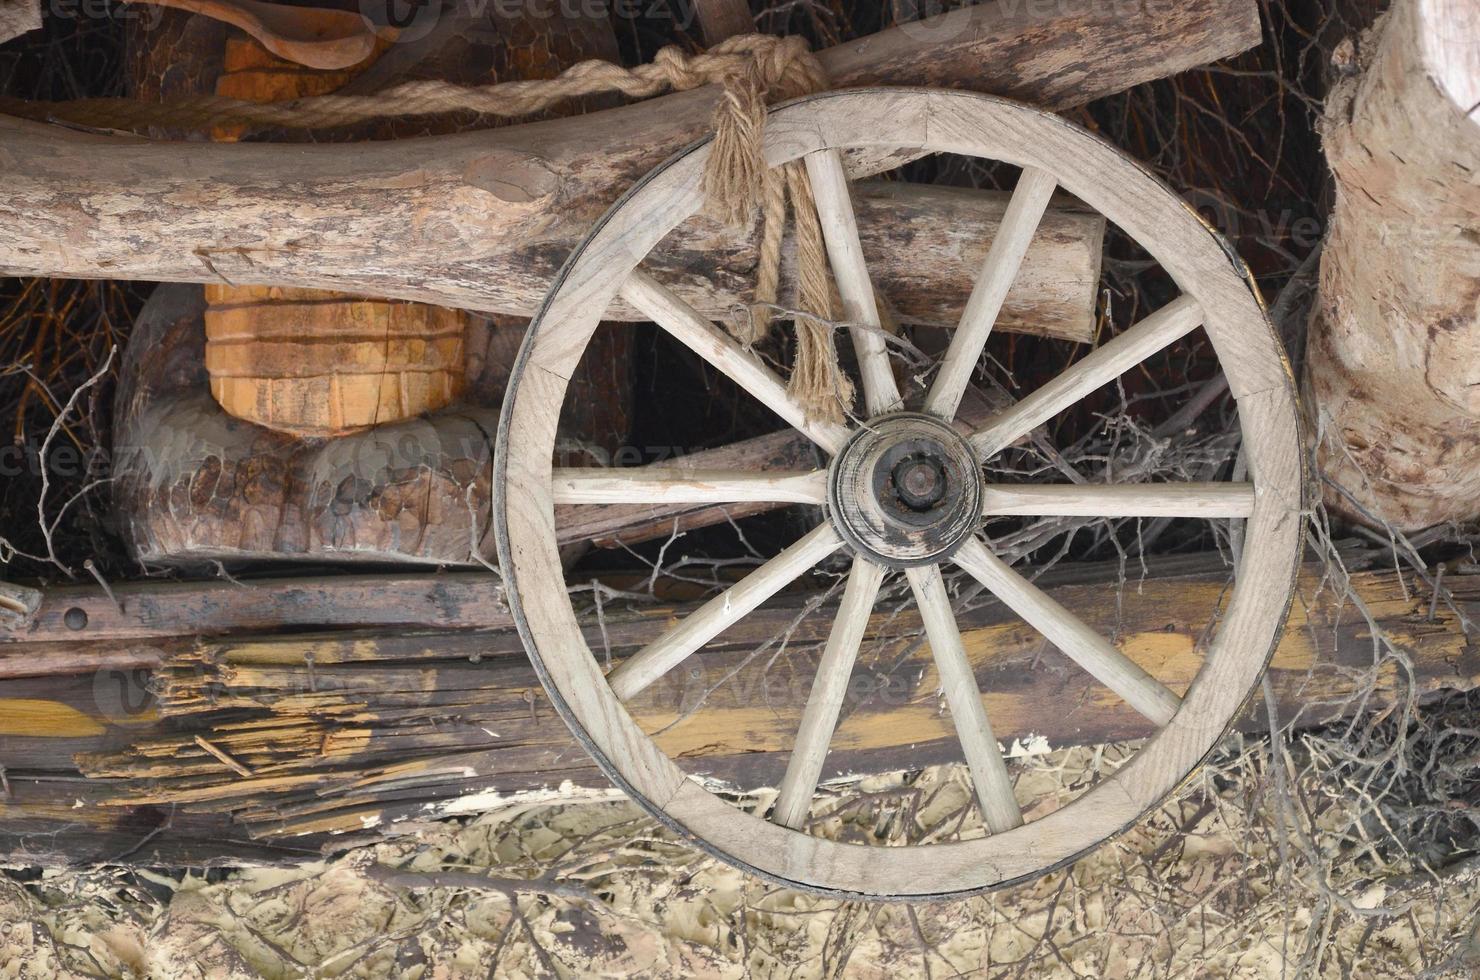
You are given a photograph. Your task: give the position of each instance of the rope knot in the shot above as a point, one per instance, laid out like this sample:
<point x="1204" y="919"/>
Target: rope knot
<point x="754" y="70"/>
<point x="678" y="69"/>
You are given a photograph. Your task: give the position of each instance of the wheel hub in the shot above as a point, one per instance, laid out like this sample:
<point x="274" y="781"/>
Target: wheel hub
<point x="906" y="490"/>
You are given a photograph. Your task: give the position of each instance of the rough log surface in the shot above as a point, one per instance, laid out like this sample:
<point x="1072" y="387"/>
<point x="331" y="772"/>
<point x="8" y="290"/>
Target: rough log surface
<point x="1394" y="356"/>
<point x="482" y="220"/>
<point x="312" y="362"/>
<point x="18" y="17"/>
<point x="193" y="483"/>
<point x="256" y="745"/>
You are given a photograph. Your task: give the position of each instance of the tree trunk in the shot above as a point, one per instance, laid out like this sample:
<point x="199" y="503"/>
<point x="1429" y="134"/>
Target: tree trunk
<point x="1393" y="368"/>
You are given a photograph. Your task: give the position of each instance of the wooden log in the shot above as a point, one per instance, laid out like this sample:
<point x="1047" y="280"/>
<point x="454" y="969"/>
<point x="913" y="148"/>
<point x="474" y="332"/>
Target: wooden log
<point x="19" y="17"/>
<point x="194" y="484"/>
<point x="924" y="245"/>
<point x="316" y="363"/>
<point x="346" y="731"/>
<point x="719" y="19"/>
<point x="481" y="220"/>
<point x="1394" y="351"/>
<point x="312" y="362"/>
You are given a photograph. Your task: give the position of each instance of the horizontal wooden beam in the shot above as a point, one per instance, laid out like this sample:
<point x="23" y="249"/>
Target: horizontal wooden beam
<point x="482" y="220"/>
<point x="460" y="244"/>
<point x="343" y="732"/>
<point x="79" y="614"/>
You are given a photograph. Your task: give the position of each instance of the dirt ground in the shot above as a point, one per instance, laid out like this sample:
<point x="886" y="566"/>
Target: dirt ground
<point x="1231" y="879"/>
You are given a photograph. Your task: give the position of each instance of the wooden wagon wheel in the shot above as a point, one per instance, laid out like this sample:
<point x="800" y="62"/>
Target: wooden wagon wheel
<point x="905" y="491"/>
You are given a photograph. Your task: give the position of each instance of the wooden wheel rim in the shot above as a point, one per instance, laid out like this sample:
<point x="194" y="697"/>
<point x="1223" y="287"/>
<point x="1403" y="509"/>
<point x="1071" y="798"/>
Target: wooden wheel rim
<point x="1259" y="378"/>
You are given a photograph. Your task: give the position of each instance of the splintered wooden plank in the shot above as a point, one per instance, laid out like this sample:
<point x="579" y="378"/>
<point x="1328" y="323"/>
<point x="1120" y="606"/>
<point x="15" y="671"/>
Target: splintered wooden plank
<point x="346" y="730"/>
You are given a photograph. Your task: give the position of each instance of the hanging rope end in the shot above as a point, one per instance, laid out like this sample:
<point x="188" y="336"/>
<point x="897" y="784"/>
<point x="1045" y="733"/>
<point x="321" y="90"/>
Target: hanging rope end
<point x="817" y="380"/>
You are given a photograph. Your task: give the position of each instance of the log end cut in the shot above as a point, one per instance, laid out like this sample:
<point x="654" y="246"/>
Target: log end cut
<point x="315" y="363"/>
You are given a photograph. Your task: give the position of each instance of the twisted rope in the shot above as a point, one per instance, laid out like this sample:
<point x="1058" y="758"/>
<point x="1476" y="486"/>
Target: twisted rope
<point x="817" y="380"/>
<point x="752" y="70"/>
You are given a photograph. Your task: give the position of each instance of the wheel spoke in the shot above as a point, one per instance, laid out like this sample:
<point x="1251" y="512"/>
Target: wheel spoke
<point x="686" y="324"/>
<point x="672" y="485"/>
<point x="1208" y="500"/>
<point x="958" y="681"/>
<point x="1024" y="212"/>
<point x="1070" y="634"/>
<point x="709" y="620"/>
<point x="1173" y="321"/>
<point x="845" y="253"/>
<point x="834" y="671"/>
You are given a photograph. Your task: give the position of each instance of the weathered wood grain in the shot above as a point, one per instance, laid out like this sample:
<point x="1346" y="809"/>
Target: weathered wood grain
<point x="313" y="362"/>
<point x="482" y="220"/>
<point x="405" y="725"/>
<point x="1392" y="371"/>
<point x="191" y="483"/>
